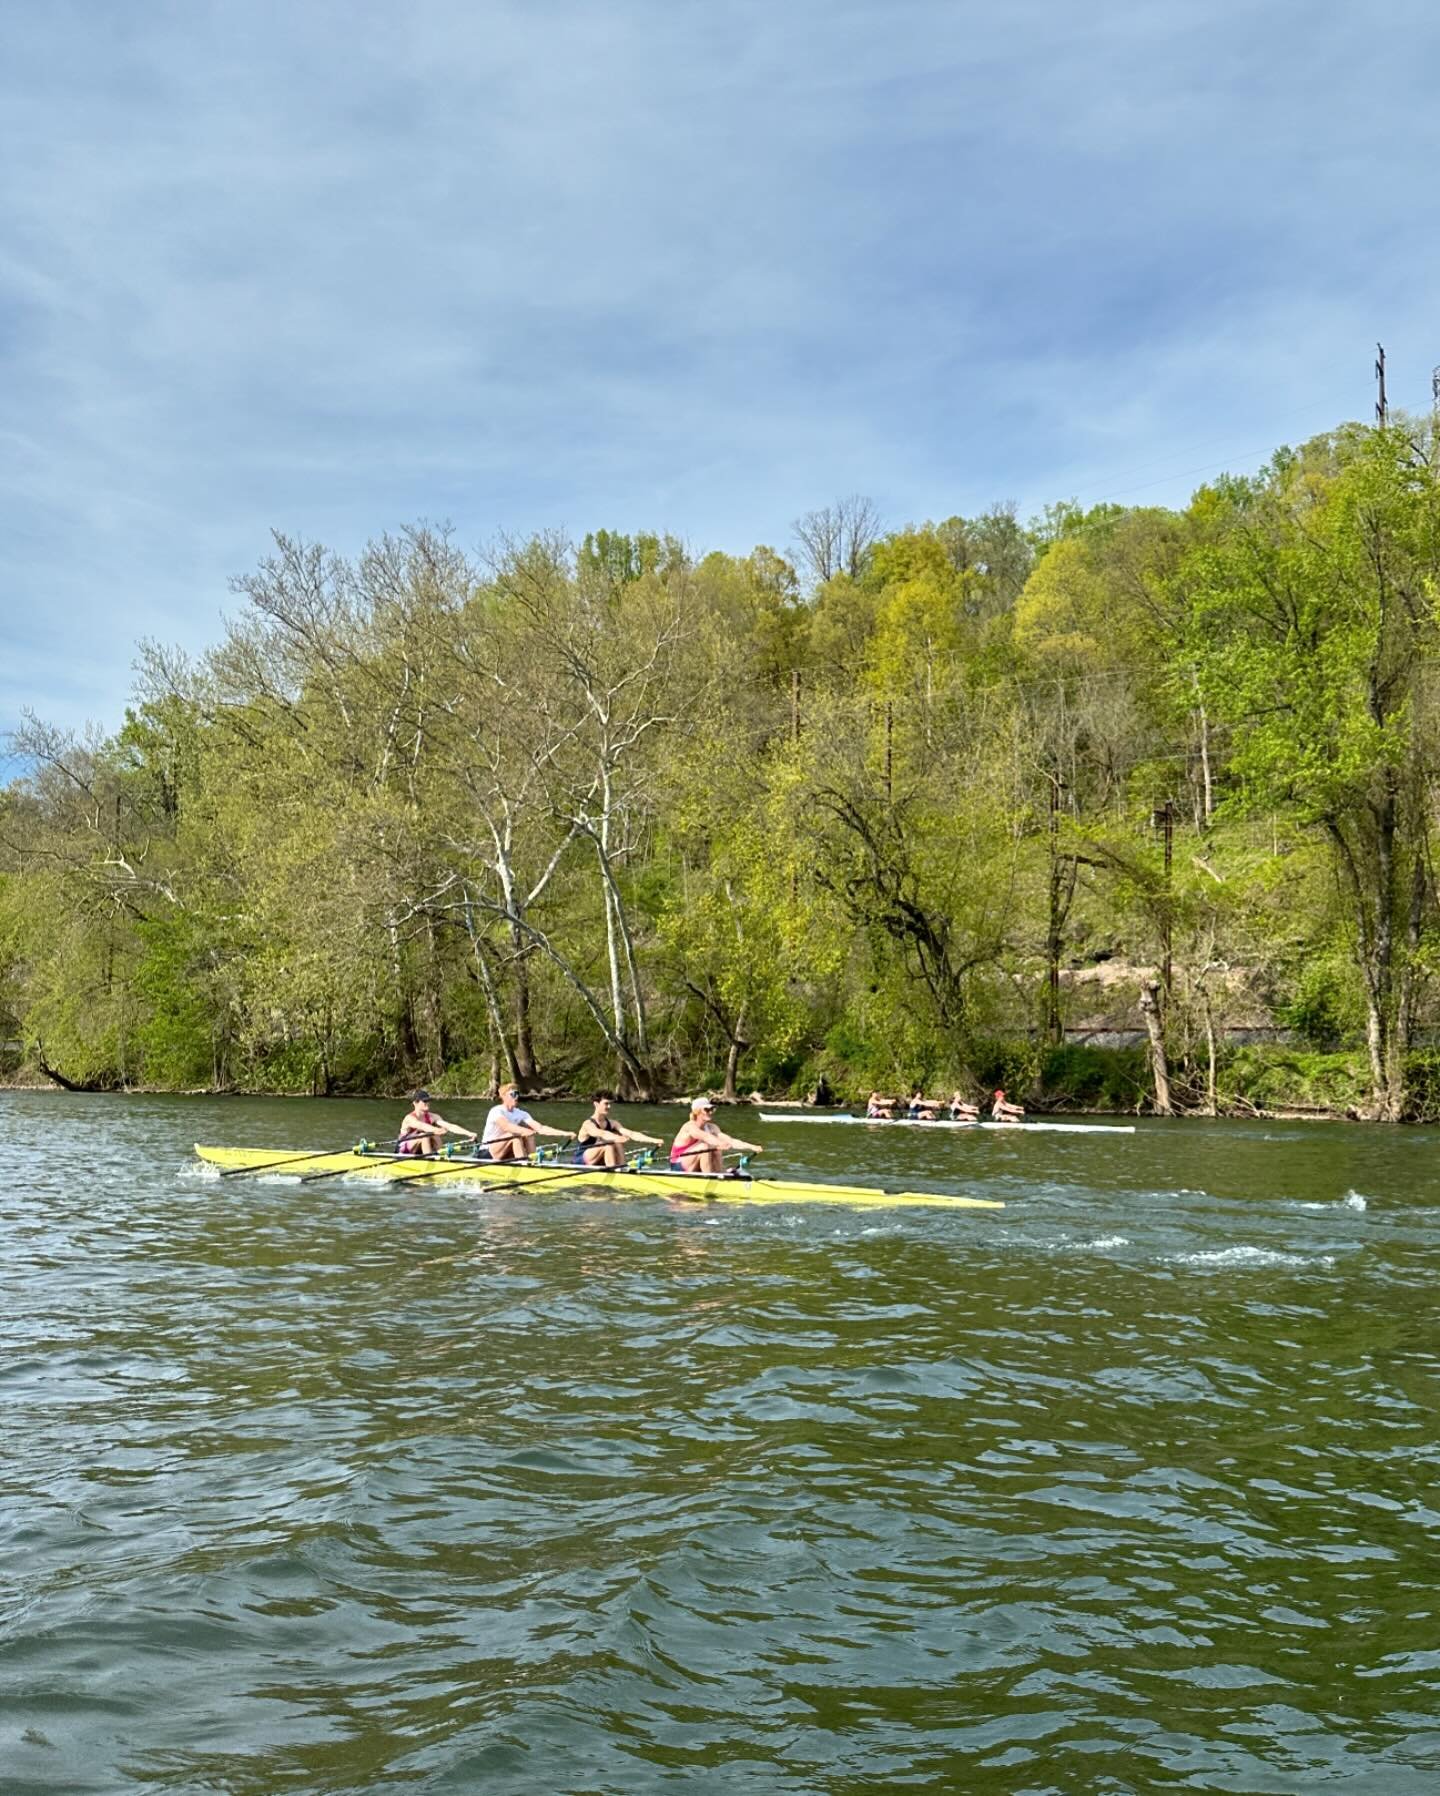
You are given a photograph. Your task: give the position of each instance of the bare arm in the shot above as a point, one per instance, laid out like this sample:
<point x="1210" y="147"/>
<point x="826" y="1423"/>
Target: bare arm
<point x="734" y="1142"/>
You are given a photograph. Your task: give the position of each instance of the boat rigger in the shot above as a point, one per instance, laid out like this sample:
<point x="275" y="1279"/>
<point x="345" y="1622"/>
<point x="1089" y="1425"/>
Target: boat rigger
<point x="469" y="1171"/>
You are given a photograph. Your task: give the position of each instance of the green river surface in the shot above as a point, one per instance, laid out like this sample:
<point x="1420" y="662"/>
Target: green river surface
<point x="1131" y="1486"/>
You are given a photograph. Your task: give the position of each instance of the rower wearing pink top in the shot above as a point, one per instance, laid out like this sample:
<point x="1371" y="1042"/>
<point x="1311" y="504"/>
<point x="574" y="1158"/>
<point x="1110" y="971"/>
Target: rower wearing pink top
<point x="701" y="1147"/>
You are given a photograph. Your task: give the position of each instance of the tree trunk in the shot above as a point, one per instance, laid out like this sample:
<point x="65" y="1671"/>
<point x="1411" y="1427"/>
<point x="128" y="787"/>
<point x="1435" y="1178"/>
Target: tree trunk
<point x="617" y="933"/>
<point x="1389" y="1095"/>
<point x="612" y="961"/>
<point x="522" y="1055"/>
<point x="434" y="1003"/>
<point x="1211" y="1102"/>
<point x="732" y="1061"/>
<point x="634" y="1075"/>
<point x="1207" y="783"/>
<point x="737" y="1047"/>
<point x="409" y="1041"/>
<point x="735" y="1042"/>
<point x="101" y="1084"/>
<point x="1063" y="873"/>
<point x="1407" y="981"/>
<point x="1371" y="898"/>
<point x="1159" y="1067"/>
<point x="492" y="1008"/>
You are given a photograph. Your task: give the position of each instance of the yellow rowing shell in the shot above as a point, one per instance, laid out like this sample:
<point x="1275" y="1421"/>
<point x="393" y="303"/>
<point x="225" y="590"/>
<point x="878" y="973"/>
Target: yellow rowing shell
<point x="656" y="1181"/>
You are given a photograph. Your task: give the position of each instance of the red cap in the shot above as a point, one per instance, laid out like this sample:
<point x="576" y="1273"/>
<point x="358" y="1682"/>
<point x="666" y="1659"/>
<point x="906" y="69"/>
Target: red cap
<point x="999" y="1094"/>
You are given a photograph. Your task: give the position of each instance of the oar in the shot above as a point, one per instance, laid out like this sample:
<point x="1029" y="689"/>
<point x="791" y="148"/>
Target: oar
<point x="726" y="1153"/>
<point x="314" y="1178"/>
<point x="568" y="1172"/>
<point x="233" y="1172"/>
<point x="699" y="1197"/>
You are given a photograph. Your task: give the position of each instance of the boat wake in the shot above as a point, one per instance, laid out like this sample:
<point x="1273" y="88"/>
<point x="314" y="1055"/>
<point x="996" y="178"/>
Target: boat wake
<point x="1220" y="1259"/>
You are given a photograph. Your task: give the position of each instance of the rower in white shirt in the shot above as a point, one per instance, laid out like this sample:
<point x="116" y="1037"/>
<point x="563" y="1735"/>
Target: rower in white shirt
<point x="510" y="1132"/>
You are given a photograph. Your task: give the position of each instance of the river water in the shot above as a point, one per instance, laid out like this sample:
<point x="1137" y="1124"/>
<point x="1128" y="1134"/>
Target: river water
<point x="1129" y="1487"/>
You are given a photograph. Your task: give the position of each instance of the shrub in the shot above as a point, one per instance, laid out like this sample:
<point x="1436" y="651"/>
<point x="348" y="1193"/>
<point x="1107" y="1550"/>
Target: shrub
<point x="1097" y="1078"/>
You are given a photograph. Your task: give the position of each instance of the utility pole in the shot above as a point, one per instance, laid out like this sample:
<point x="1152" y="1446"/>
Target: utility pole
<point x="795" y="703"/>
<point x="1435" y="390"/>
<point x="1382" y="409"/>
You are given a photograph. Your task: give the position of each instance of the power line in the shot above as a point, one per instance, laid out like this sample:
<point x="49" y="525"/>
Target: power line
<point x="1185" y="473"/>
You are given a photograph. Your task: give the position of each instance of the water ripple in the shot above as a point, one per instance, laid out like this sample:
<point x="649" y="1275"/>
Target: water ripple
<point x="1128" y="1487"/>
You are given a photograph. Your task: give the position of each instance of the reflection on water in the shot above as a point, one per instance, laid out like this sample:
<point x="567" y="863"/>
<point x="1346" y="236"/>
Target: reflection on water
<point x="338" y="1488"/>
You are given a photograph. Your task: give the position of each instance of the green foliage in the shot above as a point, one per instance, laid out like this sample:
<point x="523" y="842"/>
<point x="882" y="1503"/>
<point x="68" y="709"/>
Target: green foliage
<point x="1087" y="1078"/>
<point x="1322" y="1005"/>
<point x="610" y="814"/>
<point x="1423" y="1084"/>
<point x="1277" y="1078"/>
<point x="177" y="1033"/>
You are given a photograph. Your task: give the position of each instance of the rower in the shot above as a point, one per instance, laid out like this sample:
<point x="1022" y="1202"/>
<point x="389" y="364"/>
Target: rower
<point x="921" y="1108"/>
<point x="421" y="1130"/>
<point x="700" y="1146"/>
<point x="510" y="1131"/>
<point x="961" y="1110"/>
<point x="601" y="1140"/>
<point x="1002" y="1110"/>
<point x="880" y="1109"/>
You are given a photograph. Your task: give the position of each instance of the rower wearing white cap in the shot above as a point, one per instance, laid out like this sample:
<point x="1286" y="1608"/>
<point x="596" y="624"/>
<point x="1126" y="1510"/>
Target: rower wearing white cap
<point x="701" y="1146"/>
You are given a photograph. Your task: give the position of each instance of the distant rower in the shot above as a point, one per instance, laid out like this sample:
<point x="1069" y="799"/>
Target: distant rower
<point x="1002" y="1110"/>
<point x="961" y="1110"/>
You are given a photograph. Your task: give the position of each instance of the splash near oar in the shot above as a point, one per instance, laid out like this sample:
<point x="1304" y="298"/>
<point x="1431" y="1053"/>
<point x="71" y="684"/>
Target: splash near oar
<point x="336" y="1172"/>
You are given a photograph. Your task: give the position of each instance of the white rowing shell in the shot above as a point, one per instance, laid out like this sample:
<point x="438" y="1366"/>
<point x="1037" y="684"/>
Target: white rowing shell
<point x="907" y="1122"/>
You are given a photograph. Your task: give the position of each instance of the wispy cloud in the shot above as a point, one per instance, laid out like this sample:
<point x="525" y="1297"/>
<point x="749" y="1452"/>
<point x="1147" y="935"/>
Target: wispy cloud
<point x="333" y="268"/>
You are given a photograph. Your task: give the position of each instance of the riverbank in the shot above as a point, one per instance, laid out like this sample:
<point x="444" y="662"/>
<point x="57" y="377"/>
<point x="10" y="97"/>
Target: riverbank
<point x="1271" y="1081"/>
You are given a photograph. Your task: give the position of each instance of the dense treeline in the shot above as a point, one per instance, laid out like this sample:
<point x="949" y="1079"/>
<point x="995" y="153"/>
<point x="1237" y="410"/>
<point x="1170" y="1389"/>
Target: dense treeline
<point x="872" y="811"/>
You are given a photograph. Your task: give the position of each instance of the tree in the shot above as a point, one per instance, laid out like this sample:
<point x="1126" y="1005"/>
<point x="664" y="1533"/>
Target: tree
<point x="837" y="539"/>
<point x="1314" y="633"/>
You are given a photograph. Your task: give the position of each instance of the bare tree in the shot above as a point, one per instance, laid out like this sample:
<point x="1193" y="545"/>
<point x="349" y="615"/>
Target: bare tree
<point x="838" y="538"/>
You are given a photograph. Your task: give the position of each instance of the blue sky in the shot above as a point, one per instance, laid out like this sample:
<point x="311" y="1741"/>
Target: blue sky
<point x="697" y="268"/>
